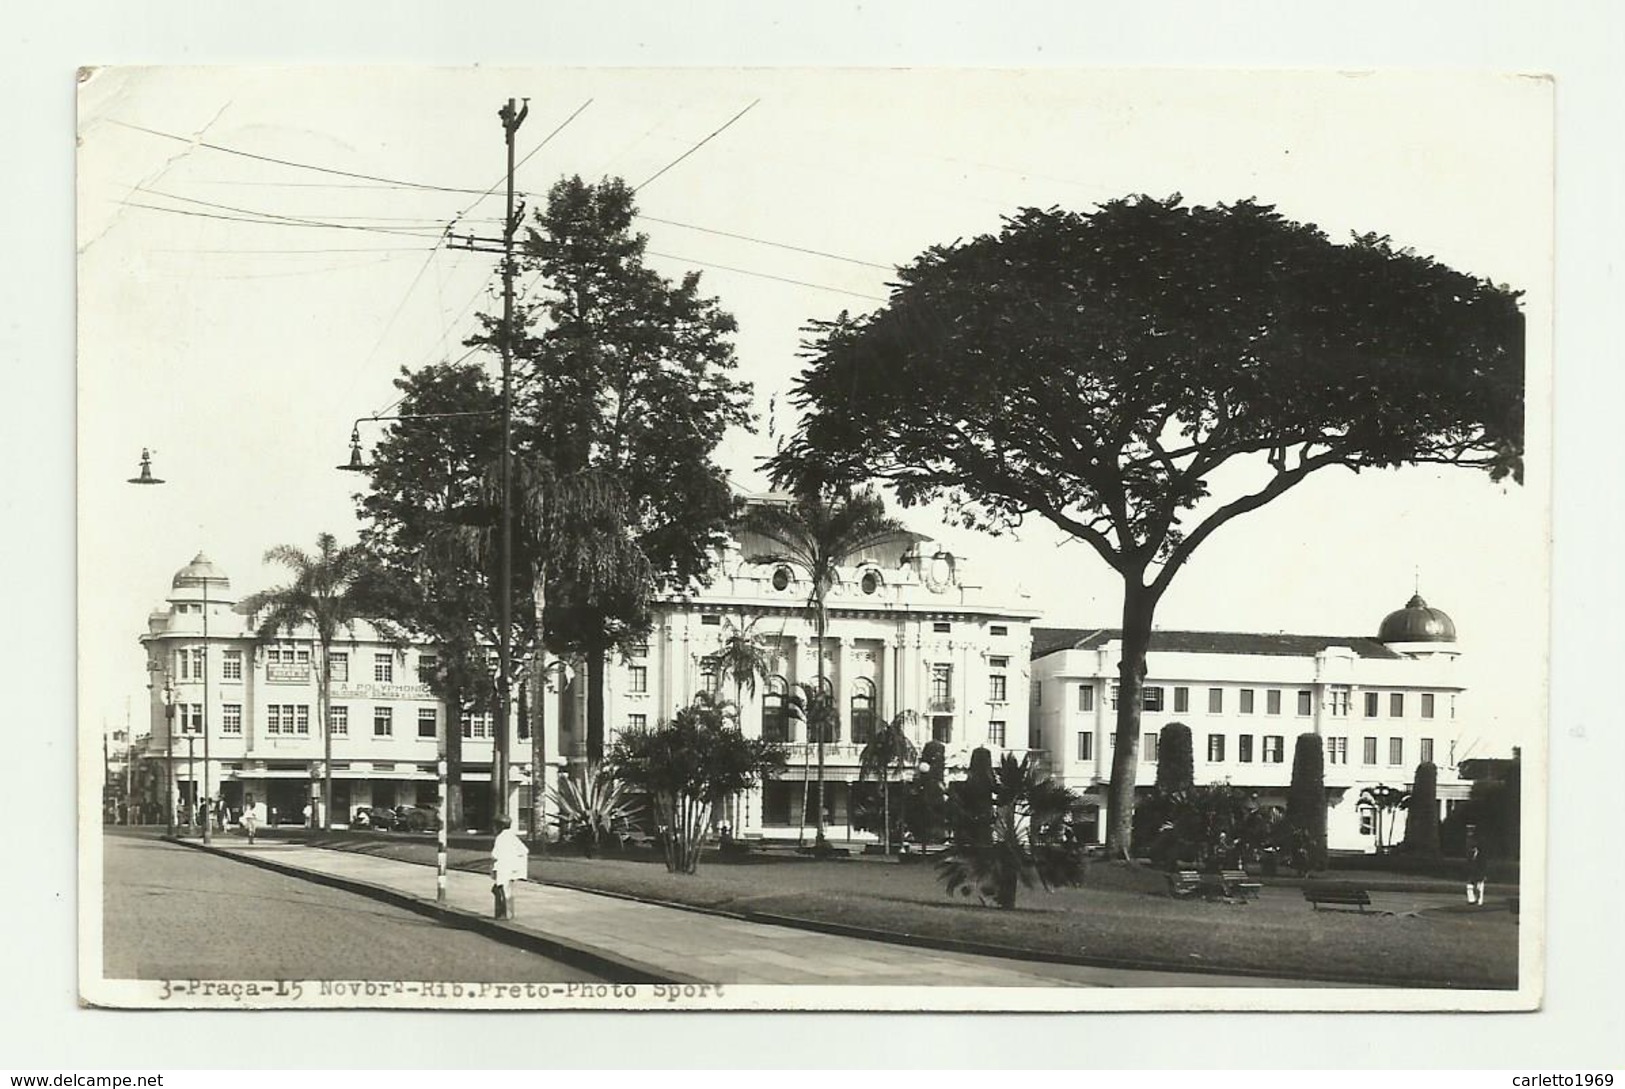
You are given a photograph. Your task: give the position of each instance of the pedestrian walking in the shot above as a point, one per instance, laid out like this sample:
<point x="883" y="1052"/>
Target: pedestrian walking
<point x="1478" y="872"/>
<point x="253" y="814"/>
<point x="509" y="860"/>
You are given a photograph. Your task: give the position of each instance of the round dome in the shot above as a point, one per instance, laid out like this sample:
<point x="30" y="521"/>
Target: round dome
<point x="199" y="571"/>
<point x="1417" y="623"/>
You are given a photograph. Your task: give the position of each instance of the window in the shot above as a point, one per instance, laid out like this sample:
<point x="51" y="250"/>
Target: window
<point x="711" y="620"/>
<point x="995" y="688"/>
<point x="1427" y="704"/>
<point x="1038" y="694"/>
<point x="302" y="719"/>
<point x="1396" y="705"/>
<point x="1035" y="736"/>
<point x="637" y="722"/>
<point x="942" y="729"/>
<point x="640" y="650"/>
<point x="1086" y="697"/>
<point x="194" y="719"/>
<point x="1368" y="750"/>
<point x="1246" y="701"/>
<point x="708" y="676"/>
<point x="231" y="668"/>
<point x="1274" y="749"/>
<point x="1215" y="701"/>
<point x="998" y="629"/>
<point x="1244" y="748"/>
<point x="995" y="733"/>
<point x="383" y="668"/>
<point x="1272" y="701"/>
<point x="941" y="626"/>
<point x="1148" y="747"/>
<point x="1338" y="698"/>
<point x="1215" y="748"/>
<point x="197" y="661"/>
<point x="231" y="718"/>
<point x="862" y="715"/>
<point x="1368" y="823"/>
<point x="383" y="722"/>
<point x="638" y="677"/>
<point x="1396" y="750"/>
<point x="428" y="666"/>
<point x="1306" y="702"/>
<point x="1086" y="745"/>
<point x="775" y="723"/>
<point x="998" y="662"/>
<point x="340" y="663"/>
<point x="782" y="577"/>
<point x="870" y="582"/>
<point x="301" y="656"/>
<point x="1151" y="698"/>
<point x="942" y="683"/>
<point x="476" y="726"/>
<point x="338" y="720"/>
<point x="428" y="722"/>
<point x="1182" y="701"/>
<point x="1371" y="701"/>
<point x="273" y="718"/>
<point x="1427" y="750"/>
<point x="1337" y="750"/>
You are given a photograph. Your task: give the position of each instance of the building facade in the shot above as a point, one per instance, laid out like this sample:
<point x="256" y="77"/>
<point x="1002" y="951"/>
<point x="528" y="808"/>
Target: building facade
<point x="1380" y="706"/>
<point x="907" y="631"/>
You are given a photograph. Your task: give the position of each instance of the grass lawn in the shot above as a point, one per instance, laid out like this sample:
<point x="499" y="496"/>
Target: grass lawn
<point x="1121" y="915"/>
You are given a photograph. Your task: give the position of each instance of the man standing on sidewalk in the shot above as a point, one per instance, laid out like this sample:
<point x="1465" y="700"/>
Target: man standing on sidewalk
<point x="510" y="860"/>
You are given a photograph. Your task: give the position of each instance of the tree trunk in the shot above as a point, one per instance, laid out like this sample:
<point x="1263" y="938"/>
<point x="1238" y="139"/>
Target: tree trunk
<point x="823" y="726"/>
<point x="1139" y="607"/>
<point x="454" y="760"/>
<point x="324" y="701"/>
<point x="885" y="810"/>
<point x="596" y="670"/>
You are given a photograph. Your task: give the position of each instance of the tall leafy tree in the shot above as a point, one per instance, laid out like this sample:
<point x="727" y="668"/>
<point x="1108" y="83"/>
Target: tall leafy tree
<point x="889" y="751"/>
<point x="823" y="528"/>
<point x="621" y="370"/>
<point x="1422" y="815"/>
<point x="1103" y="370"/>
<point x="1174" y="758"/>
<point x="425" y="474"/>
<point x="1306" y="801"/>
<point x="328" y="591"/>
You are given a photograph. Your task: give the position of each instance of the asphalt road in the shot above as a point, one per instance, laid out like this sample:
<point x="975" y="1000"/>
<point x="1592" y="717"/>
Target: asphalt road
<point x="172" y="912"/>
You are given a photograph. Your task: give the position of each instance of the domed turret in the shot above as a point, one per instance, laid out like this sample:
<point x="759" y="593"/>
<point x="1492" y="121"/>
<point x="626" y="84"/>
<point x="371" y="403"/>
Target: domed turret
<point x="1417" y="622"/>
<point x="200" y="579"/>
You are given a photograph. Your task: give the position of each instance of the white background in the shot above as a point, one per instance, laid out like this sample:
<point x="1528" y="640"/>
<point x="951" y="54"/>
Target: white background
<point x="1574" y="41"/>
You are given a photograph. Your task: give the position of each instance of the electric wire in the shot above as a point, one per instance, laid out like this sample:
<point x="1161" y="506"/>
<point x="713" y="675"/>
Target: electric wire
<point x="696" y="147"/>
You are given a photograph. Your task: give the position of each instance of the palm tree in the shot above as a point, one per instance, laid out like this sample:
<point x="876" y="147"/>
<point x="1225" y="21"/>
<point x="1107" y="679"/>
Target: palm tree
<point x="888" y="751"/>
<point x="822" y="528"/>
<point x="745" y="660"/>
<point x="1015" y="838"/>
<point x="328" y="591"/>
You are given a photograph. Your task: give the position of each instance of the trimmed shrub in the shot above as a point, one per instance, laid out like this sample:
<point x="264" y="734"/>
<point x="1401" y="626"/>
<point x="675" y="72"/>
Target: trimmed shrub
<point x="1174" y="761"/>
<point x="1422" y="824"/>
<point x="1306" y="805"/>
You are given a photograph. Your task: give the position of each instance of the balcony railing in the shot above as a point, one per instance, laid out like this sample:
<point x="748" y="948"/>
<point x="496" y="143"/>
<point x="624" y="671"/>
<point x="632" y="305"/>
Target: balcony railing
<point x="940" y="704"/>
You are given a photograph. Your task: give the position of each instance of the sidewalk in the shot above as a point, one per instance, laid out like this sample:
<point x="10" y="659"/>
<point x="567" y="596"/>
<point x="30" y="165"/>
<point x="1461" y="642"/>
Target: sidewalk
<point x="636" y="941"/>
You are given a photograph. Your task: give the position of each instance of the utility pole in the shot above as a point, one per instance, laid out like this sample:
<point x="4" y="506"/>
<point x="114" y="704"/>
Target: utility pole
<point x="511" y="120"/>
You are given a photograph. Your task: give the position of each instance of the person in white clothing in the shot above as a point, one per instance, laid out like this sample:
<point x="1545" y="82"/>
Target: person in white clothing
<point x="510" y="860"/>
<point x="253" y="816"/>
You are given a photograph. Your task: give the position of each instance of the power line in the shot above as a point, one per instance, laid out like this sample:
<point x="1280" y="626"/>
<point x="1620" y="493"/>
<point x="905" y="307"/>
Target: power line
<point x="766" y="242"/>
<point x="697" y="146"/>
<point x="765" y="275"/>
<point x="276" y="221"/>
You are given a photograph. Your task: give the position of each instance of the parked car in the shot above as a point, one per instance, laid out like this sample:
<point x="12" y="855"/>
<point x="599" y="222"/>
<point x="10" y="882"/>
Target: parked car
<point x="377" y="818"/>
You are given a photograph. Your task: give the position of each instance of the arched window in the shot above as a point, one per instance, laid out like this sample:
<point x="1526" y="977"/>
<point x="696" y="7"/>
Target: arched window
<point x="863" y="711"/>
<point x="775" y="722"/>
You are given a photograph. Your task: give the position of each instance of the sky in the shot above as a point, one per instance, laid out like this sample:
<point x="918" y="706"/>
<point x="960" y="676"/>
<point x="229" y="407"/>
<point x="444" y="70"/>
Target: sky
<point x="241" y="352"/>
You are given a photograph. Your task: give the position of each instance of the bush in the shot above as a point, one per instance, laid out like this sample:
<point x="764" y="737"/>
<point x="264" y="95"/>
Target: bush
<point x="1422" y="824"/>
<point x="1016" y="839"/>
<point x="1174" y="760"/>
<point x="593" y="809"/>
<point x="1306" y="806"/>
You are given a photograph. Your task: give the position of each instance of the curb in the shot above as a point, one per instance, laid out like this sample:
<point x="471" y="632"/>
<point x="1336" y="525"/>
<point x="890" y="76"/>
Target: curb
<point x="612" y="966"/>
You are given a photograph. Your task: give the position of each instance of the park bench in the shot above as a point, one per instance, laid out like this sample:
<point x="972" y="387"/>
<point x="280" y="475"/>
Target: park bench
<point x="1342" y="895"/>
<point x="1182" y="883"/>
<point x="1237" y="885"/>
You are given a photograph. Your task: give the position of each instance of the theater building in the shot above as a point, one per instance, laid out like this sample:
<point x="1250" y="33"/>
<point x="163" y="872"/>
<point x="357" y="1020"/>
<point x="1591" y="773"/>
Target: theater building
<point x="1381" y="706"/>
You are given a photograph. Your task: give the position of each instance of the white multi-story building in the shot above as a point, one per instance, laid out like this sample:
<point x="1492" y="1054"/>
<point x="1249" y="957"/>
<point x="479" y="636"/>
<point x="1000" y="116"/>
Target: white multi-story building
<point x="907" y="631"/>
<point x="1380" y="706"/>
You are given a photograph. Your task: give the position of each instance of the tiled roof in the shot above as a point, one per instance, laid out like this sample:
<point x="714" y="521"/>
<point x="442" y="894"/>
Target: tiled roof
<point x="1050" y="640"/>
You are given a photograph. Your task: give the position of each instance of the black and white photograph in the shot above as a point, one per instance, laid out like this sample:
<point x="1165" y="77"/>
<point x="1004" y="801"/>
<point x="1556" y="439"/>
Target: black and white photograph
<point x="813" y="538"/>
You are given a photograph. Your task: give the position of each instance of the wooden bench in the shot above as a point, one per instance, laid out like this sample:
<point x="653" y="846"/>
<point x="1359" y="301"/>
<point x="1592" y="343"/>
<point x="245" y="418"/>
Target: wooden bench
<point x="1237" y="885"/>
<point x="1183" y="883"/>
<point x="1342" y="895"/>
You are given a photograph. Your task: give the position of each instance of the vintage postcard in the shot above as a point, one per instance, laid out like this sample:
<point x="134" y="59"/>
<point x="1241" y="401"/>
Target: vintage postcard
<point x="813" y="539"/>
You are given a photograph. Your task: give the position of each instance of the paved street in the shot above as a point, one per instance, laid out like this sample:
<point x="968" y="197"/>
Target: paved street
<point x="175" y="912"/>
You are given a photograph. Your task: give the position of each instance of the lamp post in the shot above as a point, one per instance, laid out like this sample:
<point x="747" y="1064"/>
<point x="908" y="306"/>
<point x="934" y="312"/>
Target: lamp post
<point x="170" y="788"/>
<point x="538" y="749"/>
